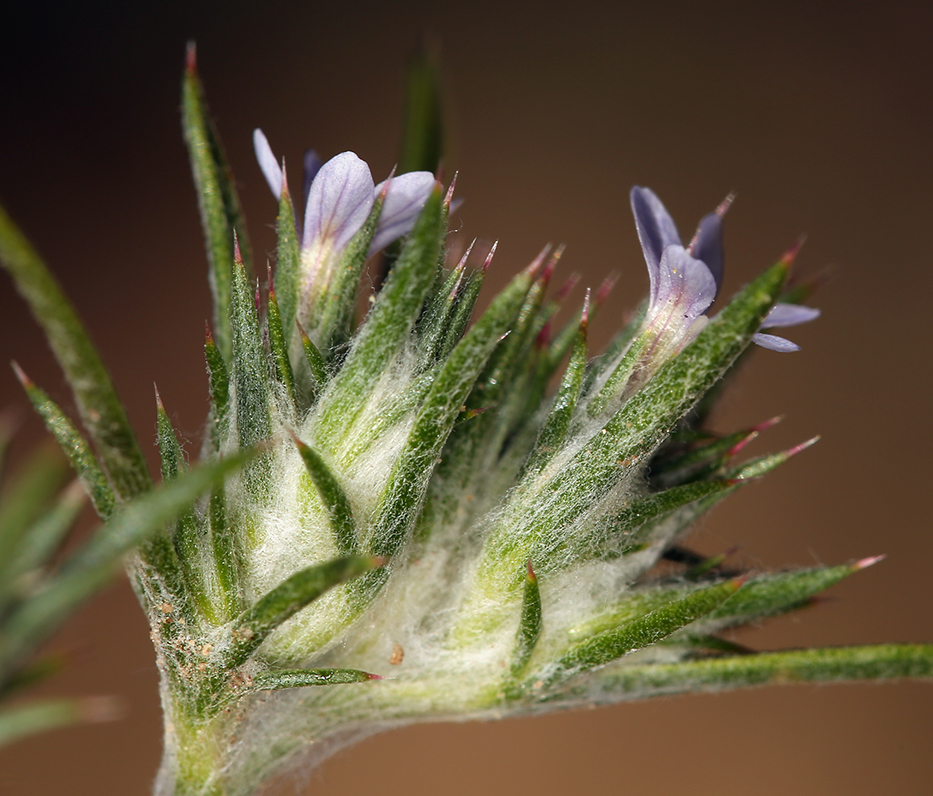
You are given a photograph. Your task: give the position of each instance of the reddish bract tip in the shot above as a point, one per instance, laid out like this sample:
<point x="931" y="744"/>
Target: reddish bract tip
<point x="191" y="58"/>
<point x="802" y="446"/>
<point x="448" y="198"/>
<point x="302" y="332"/>
<point x="864" y="563"/>
<point x="492" y="253"/>
<point x="605" y="288"/>
<point x="725" y="204"/>
<point x="535" y="264"/>
<point x="531" y="572"/>
<point x="380" y="561"/>
<point x="567" y="288"/>
<point x="461" y="264"/>
<point x="740" y="581"/>
<point x="237" y="256"/>
<point x="552" y="264"/>
<point x="543" y="338"/>
<point x="208" y="337"/>
<point x="585" y="315"/>
<point x="768" y="424"/>
<point x="388" y="182"/>
<point x="370" y="676"/>
<point x="159" y="405"/>
<point x="791" y="254"/>
<point x="21" y="375"/>
<point x="285" y="191"/>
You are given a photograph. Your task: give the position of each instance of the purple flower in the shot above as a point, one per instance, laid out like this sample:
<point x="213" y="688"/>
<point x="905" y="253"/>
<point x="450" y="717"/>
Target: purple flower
<point x="684" y="281"/>
<point x="339" y="196"/>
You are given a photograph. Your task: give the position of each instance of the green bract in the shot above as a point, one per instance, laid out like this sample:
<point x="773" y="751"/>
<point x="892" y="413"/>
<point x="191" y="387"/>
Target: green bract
<point x="420" y="529"/>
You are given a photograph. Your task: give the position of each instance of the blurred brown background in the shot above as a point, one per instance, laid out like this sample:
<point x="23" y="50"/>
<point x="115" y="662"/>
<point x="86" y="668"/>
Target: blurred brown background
<point x="820" y="119"/>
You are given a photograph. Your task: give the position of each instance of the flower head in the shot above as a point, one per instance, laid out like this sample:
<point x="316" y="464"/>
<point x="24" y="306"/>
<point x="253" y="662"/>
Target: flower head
<point x="684" y="281"/>
<point x="339" y="196"/>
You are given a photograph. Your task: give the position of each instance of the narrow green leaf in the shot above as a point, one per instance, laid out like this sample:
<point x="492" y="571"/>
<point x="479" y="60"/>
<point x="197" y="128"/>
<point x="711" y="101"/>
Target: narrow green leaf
<point x="251" y="380"/>
<point x="40" y="543"/>
<point x="96" y="561"/>
<point x="829" y="664"/>
<point x="316" y="364"/>
<point x="641" y="632"/>
<point x="186" y="537"/>
<point x="463" y="309"/>
<point x="219" y="382"/>
<point x="255" y="624"/>
<point x="423" y="139"/>
<point x="301" y="678"/>
<point x="221" y="216"/>
<point x="287" y="261"/>
<point x="74" y="446"/>
<point x="438" y="414"/>
<point x="558" y="420"/>
<point x="26" y="497"/>
<point x="777" y="593"/>
<point x="334" y="499"/>
<point x="529" y="625"/>
<point x="388" y="325"/>
<point x="100" y="408"/>
<point x="49" y="714"/>
<point x="615" y="385"/>
<point x="225" y="548"/>
<point x="279" y="348"/>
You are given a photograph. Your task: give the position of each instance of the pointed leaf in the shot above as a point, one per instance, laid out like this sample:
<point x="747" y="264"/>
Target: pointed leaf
<point x="639" y="633"/>
<point x="100" y="408"/>
<point x="334" y="499"/>
<point x="279" y="348"/>
<point x="829" y="664"/>
<point x="301" y="678"/>
<point x="97" y="560"/>
<point x="255" y="624"/>
<point x="221" y="215"/>
<point x="529" y="624"/>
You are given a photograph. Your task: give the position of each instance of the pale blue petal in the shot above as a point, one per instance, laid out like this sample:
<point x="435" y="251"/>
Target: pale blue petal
<point x="271" y="169"/>
<point x="775" y="343"/>
<point x="312" y="166"/>
<point x="405" y="197"/>
<point x="339" y="201"/>
<point x="707" y="245"/>
<point x="789" y="315"/>
<point x="686" y="282"/>
<point x="656" y="230"/>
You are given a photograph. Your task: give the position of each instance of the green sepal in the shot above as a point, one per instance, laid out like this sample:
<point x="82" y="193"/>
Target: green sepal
<point x="98" y="559"/>
<point x="287" y="262"/>
<point x="251" y="380"/>
<point x="554" y="431"/>
<point x="615" y="385"/>
<point x="316" y="365"/>
<point x="100" y="408"/>
<point x="186" y="534"/>
<point x="226" y="552"/>
<point x="278" y="345"/>
<point x="221" y="215"/>
<point x="462" y="311"/>
<point x="74" y="446"/>
<point x="331" y="319"/>
<point x="639" y="633"/>
<point x="302" y="678"/>
<point x="440" y="410"/>
<point x="529" y="623"/>
<point x="334" y="499"/>
<point x="219" y="384"/>
<point x="389" y="324"/>
<point x="255" y="624"/>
